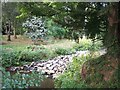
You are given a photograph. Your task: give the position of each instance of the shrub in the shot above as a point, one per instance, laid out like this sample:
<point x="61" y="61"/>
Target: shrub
<point x="10" y="58"/>
<point x="35" y="28"/>
<point x="15" y="58"/>
<point x="88" y="45"/>
<point x="19" y="80"/>
<point x="62" y="51"/>
<point x="35" y="55"/>
<point x="71" y="77"/>
<point x="83" y="46"/>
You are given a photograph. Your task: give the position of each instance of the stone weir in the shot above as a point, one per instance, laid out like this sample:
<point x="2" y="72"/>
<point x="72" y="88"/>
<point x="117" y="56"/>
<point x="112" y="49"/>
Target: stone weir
<point x="54" y="67"/>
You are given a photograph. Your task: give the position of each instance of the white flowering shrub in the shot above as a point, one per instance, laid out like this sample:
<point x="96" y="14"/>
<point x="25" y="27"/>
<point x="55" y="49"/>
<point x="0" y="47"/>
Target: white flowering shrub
<point x="35" y="28"/>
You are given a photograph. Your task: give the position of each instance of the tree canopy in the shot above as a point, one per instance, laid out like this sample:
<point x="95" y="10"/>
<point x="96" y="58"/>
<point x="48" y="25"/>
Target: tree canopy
<point x="89" y="18"/>
<point x="80" y="18"/>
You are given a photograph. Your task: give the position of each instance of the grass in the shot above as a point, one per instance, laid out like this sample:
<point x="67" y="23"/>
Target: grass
<point x="21" y="42"/>
<point x="22" y="49"/>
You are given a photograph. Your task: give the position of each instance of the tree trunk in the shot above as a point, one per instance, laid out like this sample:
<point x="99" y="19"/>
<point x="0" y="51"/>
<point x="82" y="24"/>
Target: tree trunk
<point x="9" y="37"/>
<point x="113" y="38"/>
<point x="15" y="36"/>
<point x="8" y="30"/>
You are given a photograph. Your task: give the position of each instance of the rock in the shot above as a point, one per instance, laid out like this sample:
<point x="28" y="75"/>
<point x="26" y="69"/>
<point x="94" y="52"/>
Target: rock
<point x="61" y="62"/>
<point x="21" y="68"/>
<point x="32" y="64"/>
<point x="43" y="72"/>
<point x="48" y="65"/>
<point x="35" y="68"/>
<point x="25" y="67"/>
<point x="44" y="68"/>
<point x="50" y="61"/>
<point x="51" y="72"/>
<point x="51" y="67"/>
<point x="39" y="69"/>
<point x="55" y="69"/>
<point x="62" y="57"/>
<point x="40" y="65"/>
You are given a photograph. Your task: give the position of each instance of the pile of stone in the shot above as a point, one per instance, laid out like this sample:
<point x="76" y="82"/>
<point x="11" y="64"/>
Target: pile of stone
<point x="51" y="68"/>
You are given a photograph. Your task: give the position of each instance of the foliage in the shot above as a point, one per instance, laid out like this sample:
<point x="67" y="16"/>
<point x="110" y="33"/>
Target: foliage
<point x="88" y="18"/>
<point x="88" y="45"/>
<point x="20" y="80"/>
<point x="101" y="73"/>
<point x="36" y="54"/>
<point x="71" y="77"/>
<point x="55" y="30"/>
<point x="62" y="51"/>
<point x="35" y="28"/>
<point x="10" y="58"/>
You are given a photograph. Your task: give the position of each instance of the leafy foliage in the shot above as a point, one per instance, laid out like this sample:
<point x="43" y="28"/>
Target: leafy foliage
<point x="73" y="79"/>
<point x="86" y="18"/>
<point x="19" y="80"/>
<point x="10" y="58"/>
<point x="35" y="28"/>
<point x="88" y="45"/>
<point x="36" y="54"/>
<point x="62" y="51"/>
<point x="101" y="73"/>
<point x="55" y="30"/>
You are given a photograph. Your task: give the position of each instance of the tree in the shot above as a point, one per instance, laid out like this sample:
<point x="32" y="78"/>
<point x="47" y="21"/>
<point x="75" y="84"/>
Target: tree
<point x="89" y="18"/>
<point x="35" y="28"/>
<point x="8" y="30"/>
<point x="9" y="12"/>
<point x="55" y="30"/>
<point x="113" y="35"/>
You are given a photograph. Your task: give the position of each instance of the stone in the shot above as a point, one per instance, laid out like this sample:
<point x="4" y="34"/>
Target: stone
<point x="61" y="62"/>
<point x="40" y="65"/>
<point x="51" y="68"/>
<point x="39" y="69"/>
<point x="48" y="65"/>
<point x="25" y="67"/>
<point x="32" y="64"/>
<point x="51" y="72"/>
<point x="44" y="68"/>
<point x="35" y="68"/>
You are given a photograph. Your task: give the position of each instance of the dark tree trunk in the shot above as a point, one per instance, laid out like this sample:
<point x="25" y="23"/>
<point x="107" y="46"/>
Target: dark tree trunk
<point x="113" y="38"/>
<point x="9" y="37"/>
<point x="15" y="36"/>
<point x="8" y="30"/>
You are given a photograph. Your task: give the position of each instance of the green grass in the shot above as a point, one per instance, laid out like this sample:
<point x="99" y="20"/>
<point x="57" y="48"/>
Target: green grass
<point x="14" y="47"/>
<point x="22" y="50"/>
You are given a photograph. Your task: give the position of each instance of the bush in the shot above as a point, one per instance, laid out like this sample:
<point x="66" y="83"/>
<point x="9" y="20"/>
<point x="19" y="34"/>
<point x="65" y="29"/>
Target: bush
<point x="35" y="28"/>
<point x="10" y="58"/>
<point x="15" y="58"/>
<point x="36" y="55"/>
<point x="62" y="51"/>
<point x="88" y="45"/>
<point x="71" y="77"/>
<point x="19" y="80"/>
